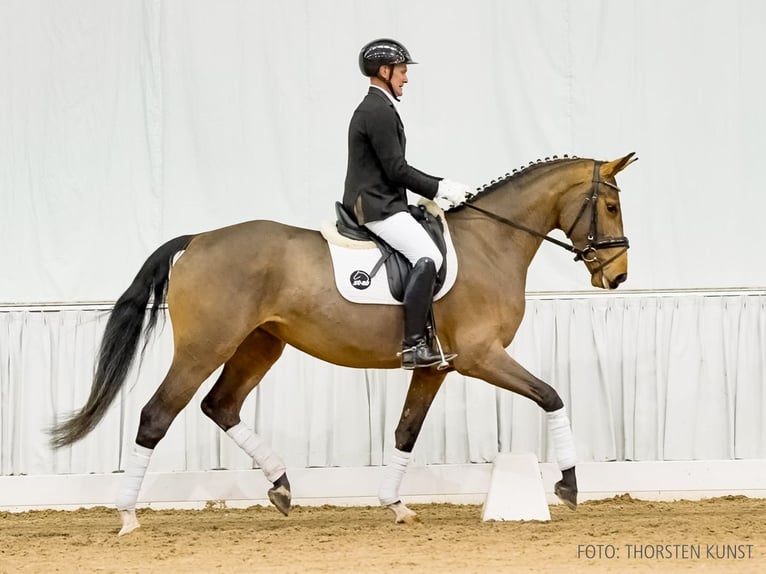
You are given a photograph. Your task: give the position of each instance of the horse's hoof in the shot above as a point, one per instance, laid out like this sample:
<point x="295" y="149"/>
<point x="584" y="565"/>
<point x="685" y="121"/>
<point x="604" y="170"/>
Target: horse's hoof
<point x="129" y="522"/>
<point x="402" y="514"/>
<point x="280" y="497"/>
<point x="410" y="519"/>
<point x="566" y="494"/>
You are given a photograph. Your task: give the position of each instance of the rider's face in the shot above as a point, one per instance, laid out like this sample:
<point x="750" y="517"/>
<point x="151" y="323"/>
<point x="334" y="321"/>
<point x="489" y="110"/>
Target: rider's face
<point x="398" y="77"/>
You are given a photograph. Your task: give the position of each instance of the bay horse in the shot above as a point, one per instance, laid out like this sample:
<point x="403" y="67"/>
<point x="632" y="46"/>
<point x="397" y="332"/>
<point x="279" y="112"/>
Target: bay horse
<point x="239" y="294"/>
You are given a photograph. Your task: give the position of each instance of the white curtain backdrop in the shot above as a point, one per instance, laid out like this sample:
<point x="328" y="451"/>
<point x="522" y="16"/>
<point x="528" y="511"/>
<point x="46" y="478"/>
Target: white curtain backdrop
<point x="643" y="378"/>
<point x="124" y="123"/>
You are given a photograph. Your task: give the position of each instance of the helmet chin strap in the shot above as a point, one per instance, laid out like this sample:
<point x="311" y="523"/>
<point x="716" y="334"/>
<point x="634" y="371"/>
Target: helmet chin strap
<point x="388" y="81"/>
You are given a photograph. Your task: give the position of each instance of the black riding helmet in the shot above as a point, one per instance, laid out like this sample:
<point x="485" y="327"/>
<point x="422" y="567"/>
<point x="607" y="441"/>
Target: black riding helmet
<point x="382" y="52"/>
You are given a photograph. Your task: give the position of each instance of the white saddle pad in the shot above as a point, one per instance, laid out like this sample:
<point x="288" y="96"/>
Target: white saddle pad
<point x="353" y="261"/>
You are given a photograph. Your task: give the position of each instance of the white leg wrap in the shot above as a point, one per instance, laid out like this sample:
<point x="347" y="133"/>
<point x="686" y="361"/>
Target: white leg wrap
<point x="560" y="432"/>
<point x="133" y="477"/>
<point x="392" y="477"/>
<point x="265" y="458"/>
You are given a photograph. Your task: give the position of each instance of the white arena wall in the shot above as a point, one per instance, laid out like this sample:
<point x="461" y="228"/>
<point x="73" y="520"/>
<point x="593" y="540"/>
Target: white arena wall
<point x="124" y="123"/>
<point x="358" y="486"/>
<point x="671" y="379"/>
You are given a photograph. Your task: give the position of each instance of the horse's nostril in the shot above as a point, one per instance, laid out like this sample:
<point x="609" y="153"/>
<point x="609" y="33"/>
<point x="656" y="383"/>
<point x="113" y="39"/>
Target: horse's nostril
<point x="621" y="278"/>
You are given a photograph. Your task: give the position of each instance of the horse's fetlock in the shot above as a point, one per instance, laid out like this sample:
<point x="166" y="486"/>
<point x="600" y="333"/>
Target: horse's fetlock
<point x="405" y="438"/>
<point x="549" y="399"/>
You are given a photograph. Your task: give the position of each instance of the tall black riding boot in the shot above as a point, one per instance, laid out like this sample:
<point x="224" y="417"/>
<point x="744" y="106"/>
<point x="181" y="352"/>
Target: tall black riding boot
<point x="418" y="296"/>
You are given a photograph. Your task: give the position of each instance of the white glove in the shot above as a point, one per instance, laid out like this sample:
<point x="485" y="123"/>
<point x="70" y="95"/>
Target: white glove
<point x="453" y="191"/>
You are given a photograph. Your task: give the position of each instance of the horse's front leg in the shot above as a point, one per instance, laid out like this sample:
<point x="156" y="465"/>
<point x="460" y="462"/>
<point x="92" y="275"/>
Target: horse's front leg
<point x="499" y="369"/>
<point x="424" y="385"/>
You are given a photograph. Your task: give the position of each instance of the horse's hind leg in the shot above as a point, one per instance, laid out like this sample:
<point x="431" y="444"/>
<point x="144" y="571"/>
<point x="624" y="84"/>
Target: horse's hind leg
<point x="424" y="385"/>
<point x="181" y="382"/>
<point x="241" y="373"/>
<point x="499" y="369"/>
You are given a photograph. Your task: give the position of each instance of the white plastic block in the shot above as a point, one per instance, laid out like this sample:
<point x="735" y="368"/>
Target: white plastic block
<point x="516" y="489"/>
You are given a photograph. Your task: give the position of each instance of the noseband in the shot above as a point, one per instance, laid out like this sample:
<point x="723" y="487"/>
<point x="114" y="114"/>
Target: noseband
<point x="594" y="244"/>
<point x="589" y="253"/>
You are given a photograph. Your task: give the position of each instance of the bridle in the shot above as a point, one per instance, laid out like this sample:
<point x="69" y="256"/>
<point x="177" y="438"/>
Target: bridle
<point x="589" y="253"/>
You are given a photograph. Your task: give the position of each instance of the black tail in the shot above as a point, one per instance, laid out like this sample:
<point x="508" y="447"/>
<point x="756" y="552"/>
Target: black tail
<point x="120" y="342"/>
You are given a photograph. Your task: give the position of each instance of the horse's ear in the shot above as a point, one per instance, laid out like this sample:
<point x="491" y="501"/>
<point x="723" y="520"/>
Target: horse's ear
<point x="612" y="168"/>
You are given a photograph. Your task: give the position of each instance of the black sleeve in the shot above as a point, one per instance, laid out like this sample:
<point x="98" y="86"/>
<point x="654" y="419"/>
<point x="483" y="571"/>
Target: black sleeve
<point x="384" y="137"/>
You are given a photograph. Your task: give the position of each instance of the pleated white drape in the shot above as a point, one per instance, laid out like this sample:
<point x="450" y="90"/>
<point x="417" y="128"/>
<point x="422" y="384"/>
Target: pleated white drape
<point x="678" y="377"/>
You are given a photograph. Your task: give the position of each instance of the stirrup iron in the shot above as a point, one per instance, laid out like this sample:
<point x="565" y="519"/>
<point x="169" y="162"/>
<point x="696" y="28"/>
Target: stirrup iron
<point x="445" y="362"/>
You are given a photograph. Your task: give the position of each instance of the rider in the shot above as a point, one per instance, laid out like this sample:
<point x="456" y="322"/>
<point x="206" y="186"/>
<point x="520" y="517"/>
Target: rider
<point x="377" y="178"/>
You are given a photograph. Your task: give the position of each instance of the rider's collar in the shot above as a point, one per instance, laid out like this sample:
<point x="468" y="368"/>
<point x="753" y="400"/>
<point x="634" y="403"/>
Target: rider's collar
<point x="389" y="96"/>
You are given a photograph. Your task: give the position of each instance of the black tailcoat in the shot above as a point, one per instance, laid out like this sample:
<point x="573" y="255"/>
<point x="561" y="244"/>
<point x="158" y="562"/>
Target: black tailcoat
<point x="377" y="175"/>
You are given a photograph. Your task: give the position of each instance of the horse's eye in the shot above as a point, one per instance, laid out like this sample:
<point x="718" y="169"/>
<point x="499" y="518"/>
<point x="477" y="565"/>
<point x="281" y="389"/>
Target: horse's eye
<point x="611" y="208"/>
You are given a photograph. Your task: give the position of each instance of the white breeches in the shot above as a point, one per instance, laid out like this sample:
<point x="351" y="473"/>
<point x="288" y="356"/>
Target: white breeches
<point x="407" y="236"/>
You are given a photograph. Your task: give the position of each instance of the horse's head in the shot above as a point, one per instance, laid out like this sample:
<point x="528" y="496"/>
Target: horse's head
<point x="592" y="218"/>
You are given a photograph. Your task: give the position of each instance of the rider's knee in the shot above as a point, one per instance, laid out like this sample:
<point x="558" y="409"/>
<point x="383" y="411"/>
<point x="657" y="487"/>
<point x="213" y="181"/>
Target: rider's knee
<point x="435" y="256"/>
<point x="426" y="263"/>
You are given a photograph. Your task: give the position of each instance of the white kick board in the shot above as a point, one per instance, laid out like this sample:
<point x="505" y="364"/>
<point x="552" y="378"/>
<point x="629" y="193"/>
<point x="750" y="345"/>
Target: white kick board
<point x="516" y="489"/>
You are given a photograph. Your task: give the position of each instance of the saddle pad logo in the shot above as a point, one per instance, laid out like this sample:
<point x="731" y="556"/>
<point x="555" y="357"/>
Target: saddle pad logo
<point x="360" y="280"/>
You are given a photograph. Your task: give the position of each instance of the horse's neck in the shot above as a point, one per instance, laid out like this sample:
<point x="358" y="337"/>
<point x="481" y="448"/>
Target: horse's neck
<point x="532" y="203"/>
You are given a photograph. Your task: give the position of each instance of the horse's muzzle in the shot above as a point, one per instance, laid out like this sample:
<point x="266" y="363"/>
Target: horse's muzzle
<point x="603" y="281"/>
<point x="621" y="278"/>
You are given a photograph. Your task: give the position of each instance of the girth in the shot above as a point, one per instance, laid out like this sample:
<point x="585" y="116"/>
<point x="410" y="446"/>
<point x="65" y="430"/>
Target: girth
<point x="397" y="265"/>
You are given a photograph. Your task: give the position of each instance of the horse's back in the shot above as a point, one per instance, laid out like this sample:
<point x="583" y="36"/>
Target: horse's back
<point x="252" y="255"/>
<point x="251" y="241"/>
<point x="254" y="233"/>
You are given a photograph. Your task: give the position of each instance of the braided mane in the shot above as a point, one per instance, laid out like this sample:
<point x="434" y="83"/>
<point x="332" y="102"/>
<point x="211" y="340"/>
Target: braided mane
<point x="518" y="173"/>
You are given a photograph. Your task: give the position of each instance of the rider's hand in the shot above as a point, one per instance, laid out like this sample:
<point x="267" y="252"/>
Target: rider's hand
<point x="454" y="192"/>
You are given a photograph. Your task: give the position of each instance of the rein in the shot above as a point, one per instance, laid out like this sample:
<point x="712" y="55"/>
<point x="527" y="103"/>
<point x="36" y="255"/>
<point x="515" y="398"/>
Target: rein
<point x="502" y="219"/>
<point x="593" y="245"/>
